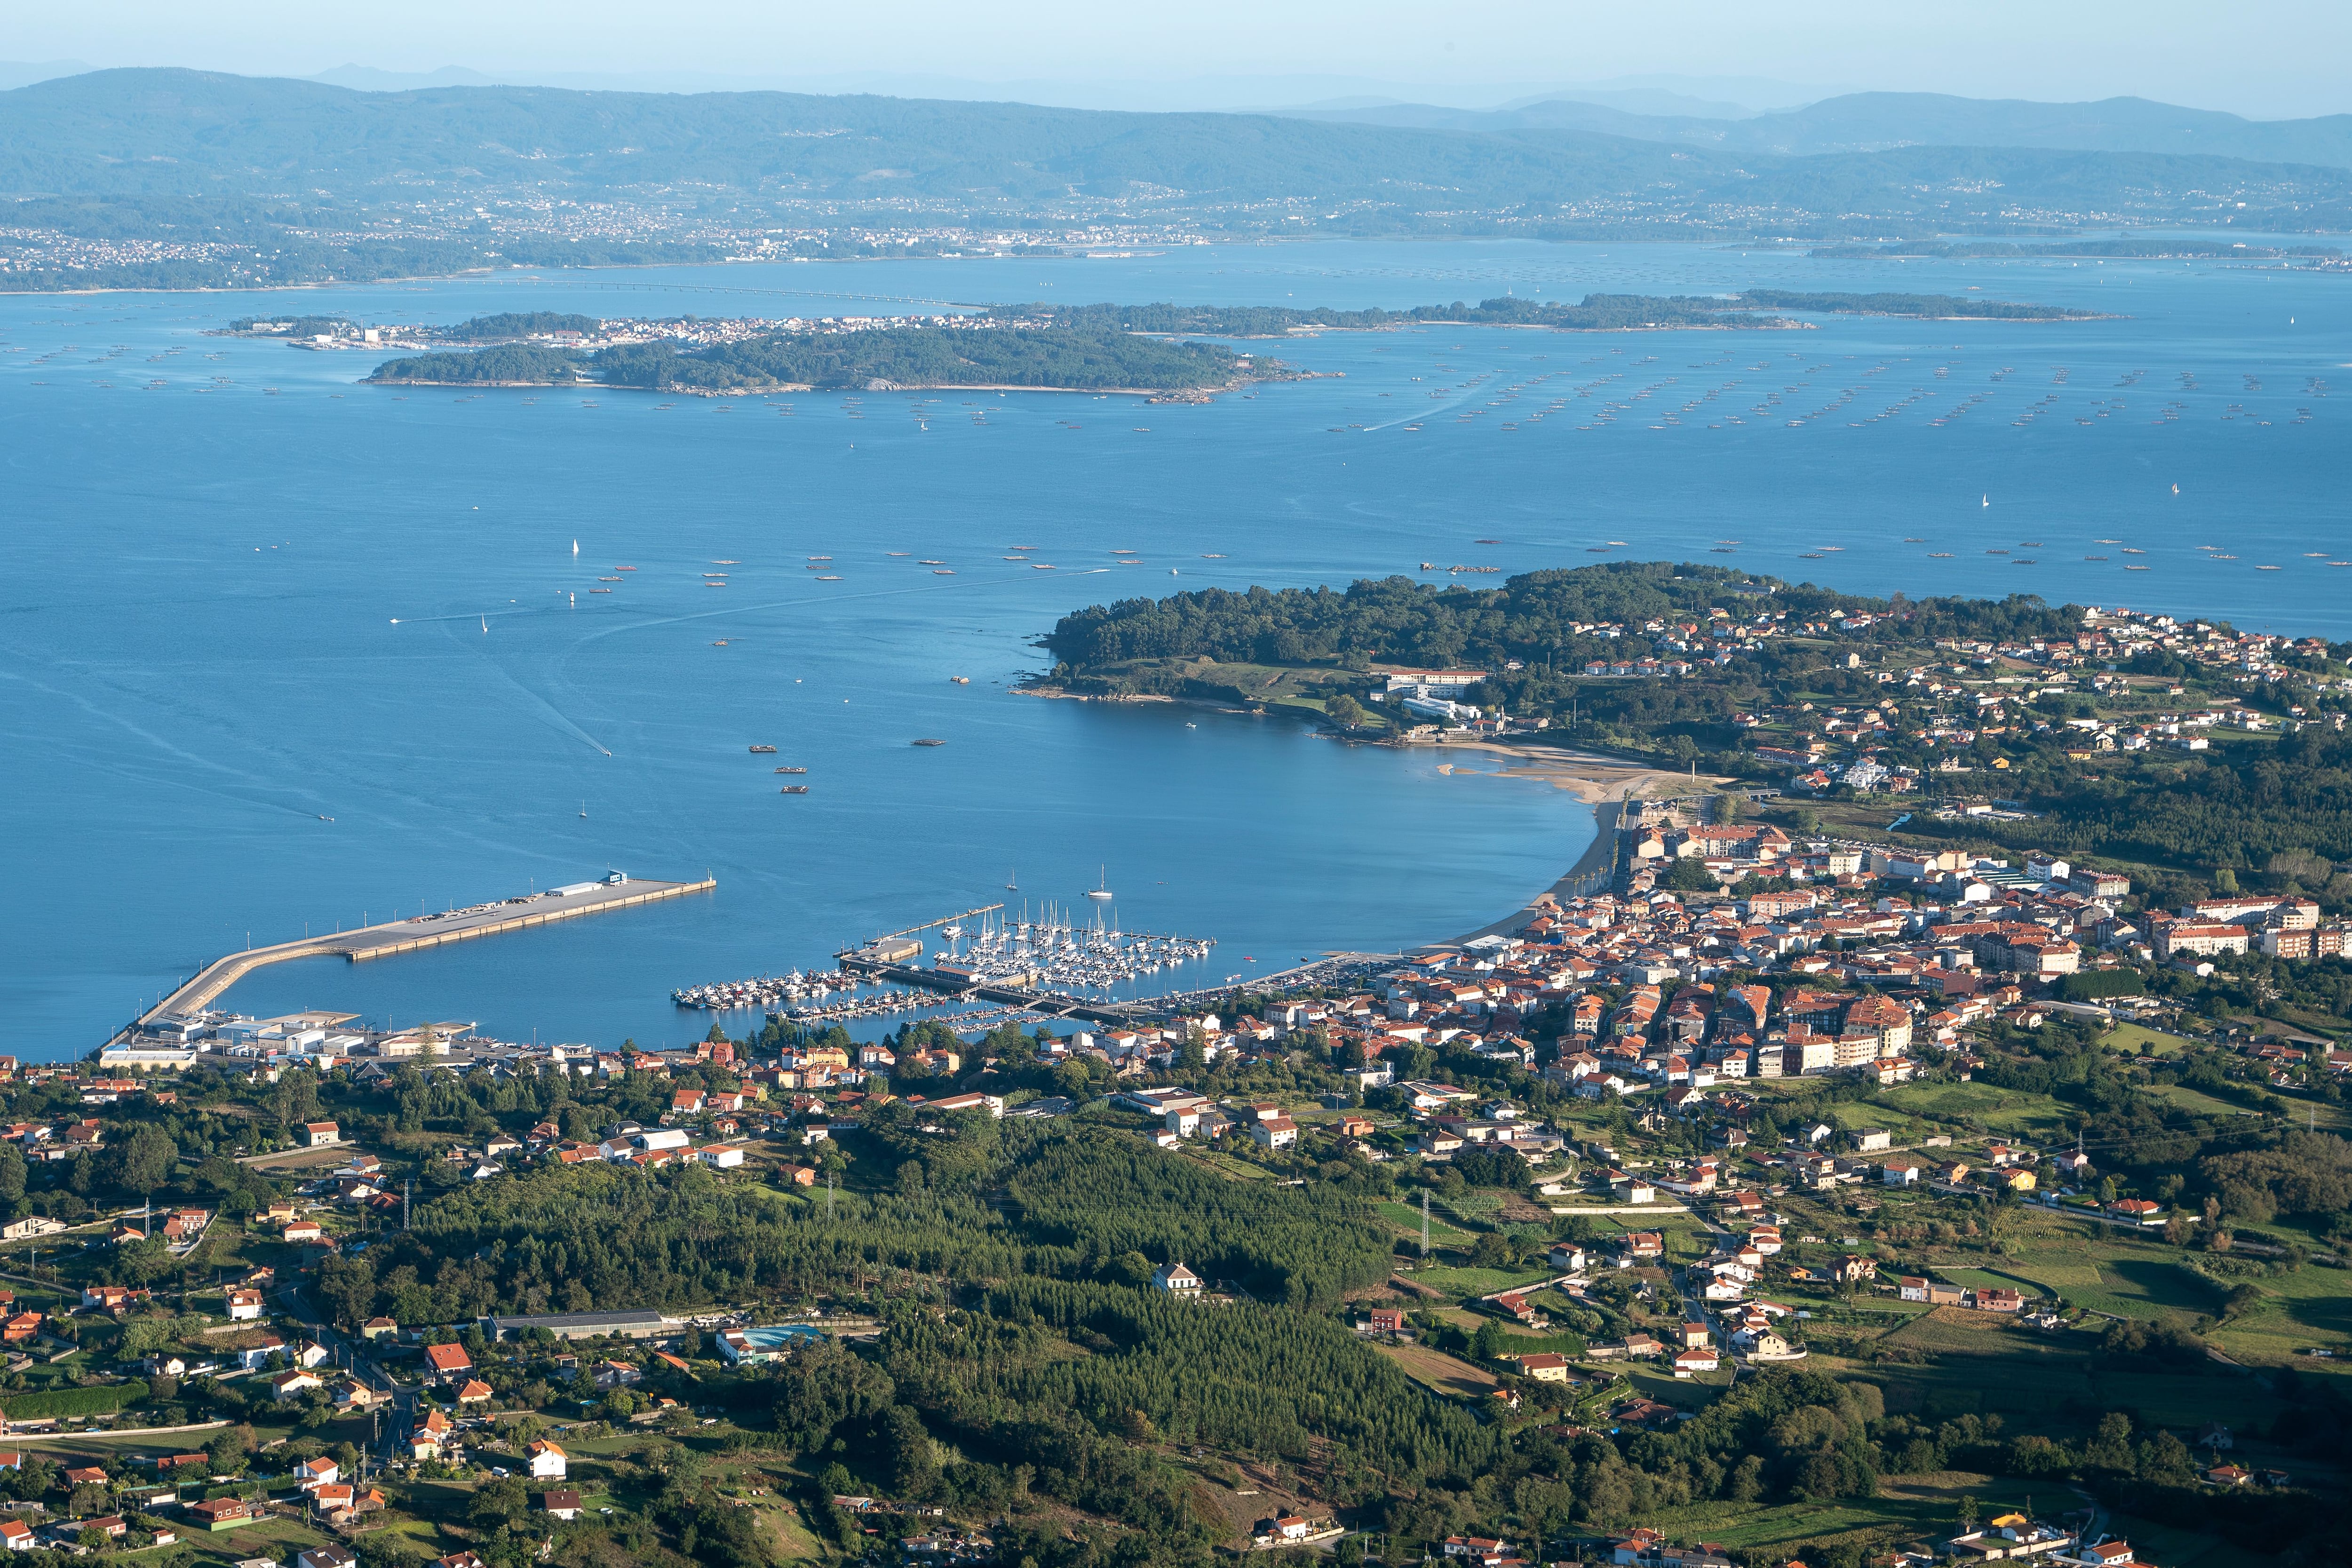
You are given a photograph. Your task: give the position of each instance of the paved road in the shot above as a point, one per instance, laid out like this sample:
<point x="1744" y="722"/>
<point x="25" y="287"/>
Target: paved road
<point x="352" y="1358"/>
<point x="327" y="1152"/>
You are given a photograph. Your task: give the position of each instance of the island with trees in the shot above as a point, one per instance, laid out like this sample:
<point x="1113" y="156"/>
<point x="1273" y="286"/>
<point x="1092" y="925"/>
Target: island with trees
<point x="1048" y="357"/>
<point x="1154" y="348"/>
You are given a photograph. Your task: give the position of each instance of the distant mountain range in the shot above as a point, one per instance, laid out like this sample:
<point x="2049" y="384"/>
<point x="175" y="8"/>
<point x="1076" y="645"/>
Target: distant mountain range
<point x="1876" y="121"/>
<point x="275" y="180"/>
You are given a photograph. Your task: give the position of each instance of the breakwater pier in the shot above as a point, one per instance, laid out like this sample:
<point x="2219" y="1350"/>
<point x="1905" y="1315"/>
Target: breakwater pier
<point x="417" y="932"/>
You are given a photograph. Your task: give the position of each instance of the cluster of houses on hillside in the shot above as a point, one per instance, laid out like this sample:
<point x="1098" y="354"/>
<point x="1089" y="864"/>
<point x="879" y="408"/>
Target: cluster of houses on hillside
<point x="1976" y="689"/>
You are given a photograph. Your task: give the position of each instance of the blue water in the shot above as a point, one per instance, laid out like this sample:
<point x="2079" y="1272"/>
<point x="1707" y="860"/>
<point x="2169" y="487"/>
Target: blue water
<point x="199" y="659"/>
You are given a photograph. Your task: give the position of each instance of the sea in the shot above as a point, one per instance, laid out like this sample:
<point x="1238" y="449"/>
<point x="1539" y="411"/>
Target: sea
<point x="282" y="653"/>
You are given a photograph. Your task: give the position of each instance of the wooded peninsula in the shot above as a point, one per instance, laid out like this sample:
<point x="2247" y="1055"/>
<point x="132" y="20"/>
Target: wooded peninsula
<point x="2127" y="737"/>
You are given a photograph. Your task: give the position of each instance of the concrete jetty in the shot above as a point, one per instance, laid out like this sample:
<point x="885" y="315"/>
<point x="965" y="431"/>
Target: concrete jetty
<point x="420" y="931"/>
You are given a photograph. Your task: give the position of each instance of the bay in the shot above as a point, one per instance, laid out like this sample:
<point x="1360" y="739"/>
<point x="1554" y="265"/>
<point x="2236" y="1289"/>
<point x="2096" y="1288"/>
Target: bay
<point x="212" y="538"/>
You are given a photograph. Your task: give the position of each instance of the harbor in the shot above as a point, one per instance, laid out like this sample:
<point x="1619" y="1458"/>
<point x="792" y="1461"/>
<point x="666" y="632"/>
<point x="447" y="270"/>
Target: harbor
<point x="1047" y="966"/>
<point x="614" y="890"/>
<point x="1032" y="969"/>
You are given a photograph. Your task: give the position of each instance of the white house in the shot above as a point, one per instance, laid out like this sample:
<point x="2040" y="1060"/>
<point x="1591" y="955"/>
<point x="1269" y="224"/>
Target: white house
<point x="546" y="1461"/>
<point x="1177" y="1280"/>
<point x="1275" y="1132"/>
<point x="288" y="1385"/>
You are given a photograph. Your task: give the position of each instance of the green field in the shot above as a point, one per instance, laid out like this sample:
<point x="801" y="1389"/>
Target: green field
<point x="1407" y="1218"/>
<point x="2127" y="1280"/>
<point x="1465" y="1282"/>
<point x="2006" y="1112"/>
<point x="1914" y="1506"/>
<point x="1985" y="1365"/>
<point x="2141" y="1040"/>
<point x="2311" y="1307"/>
<point x="1225" y="1165"/>
<point x="2188" y="1099"/>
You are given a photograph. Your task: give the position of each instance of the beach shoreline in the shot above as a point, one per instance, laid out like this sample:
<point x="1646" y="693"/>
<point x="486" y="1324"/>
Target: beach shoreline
<point x="1600" y="780"/>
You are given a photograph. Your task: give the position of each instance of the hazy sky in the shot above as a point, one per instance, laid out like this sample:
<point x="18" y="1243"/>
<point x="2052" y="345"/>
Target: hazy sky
<point x="2267" y="58"/>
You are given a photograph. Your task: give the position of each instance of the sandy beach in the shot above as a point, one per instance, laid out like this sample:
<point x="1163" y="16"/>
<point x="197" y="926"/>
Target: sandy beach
<point x="1600" y="781"/>
<point x="1588" y="775"/>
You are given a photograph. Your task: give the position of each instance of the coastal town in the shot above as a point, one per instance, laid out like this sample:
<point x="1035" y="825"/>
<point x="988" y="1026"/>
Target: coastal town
<point x="956" y="788"/>
<point x="2015" y="1177"/>
<point x="1727" y="1115"/>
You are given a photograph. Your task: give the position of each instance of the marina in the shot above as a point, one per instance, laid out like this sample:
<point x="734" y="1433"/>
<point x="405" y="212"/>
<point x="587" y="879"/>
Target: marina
<point x="1046" y="967"/>
<point x="1054" y="952"/>
<point x="1049" y="965"/>
<point x="764" y="991"/>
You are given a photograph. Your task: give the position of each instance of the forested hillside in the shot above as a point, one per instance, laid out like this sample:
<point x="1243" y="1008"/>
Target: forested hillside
<point x="1400" y="620"/>
<point x="925" y="356"/>
<point x="1081" y="1205"/>
<point x="529" y="364"/>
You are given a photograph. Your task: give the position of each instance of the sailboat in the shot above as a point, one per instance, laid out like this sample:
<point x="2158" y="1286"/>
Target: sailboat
<point x="1984" y="500"/>
<point x="575" y="550"/>
<point x="1101" y="892"/>
<point x="1012" y="881"/>
<point x="486" y="626"/>
<point x="583" y="811"/>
